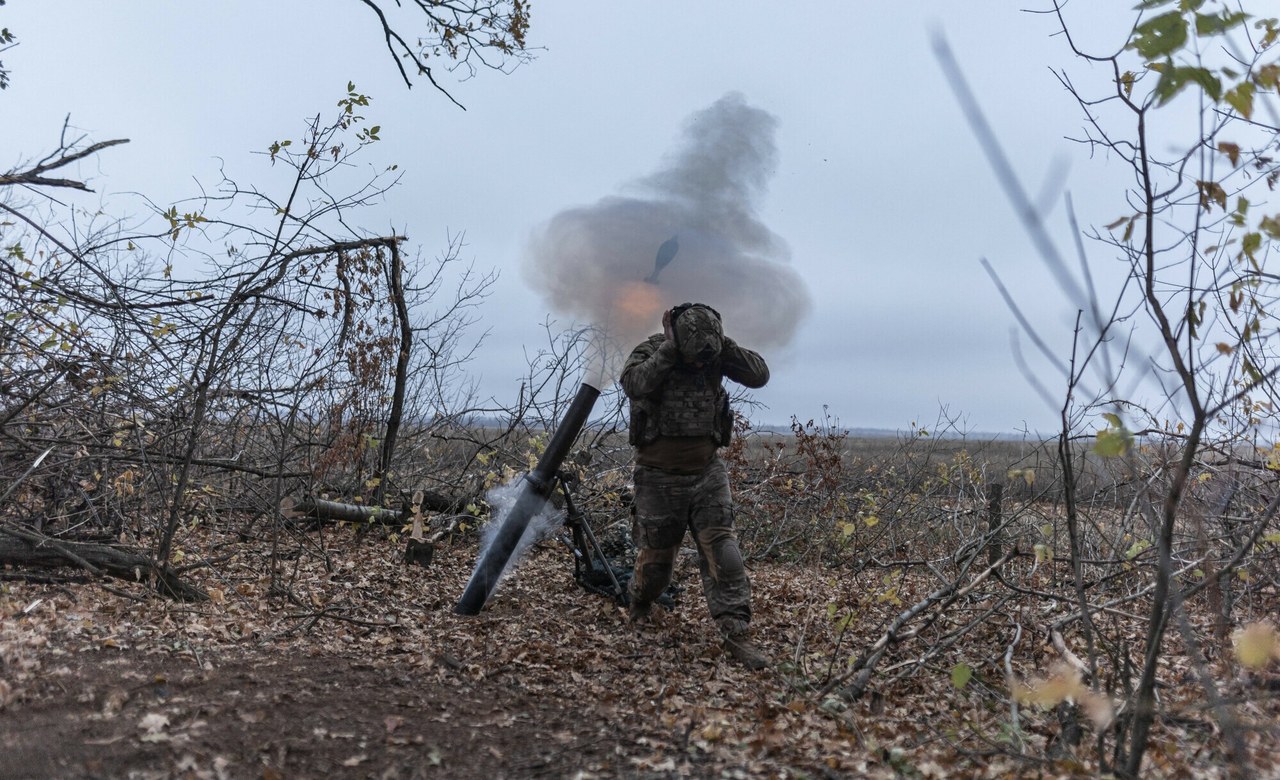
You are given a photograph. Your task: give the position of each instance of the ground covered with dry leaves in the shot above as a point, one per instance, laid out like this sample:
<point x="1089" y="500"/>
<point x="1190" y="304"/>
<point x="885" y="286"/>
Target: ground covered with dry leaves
<point x="357" y="667"/>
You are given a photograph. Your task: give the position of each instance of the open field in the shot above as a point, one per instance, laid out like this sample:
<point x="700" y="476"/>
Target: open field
<point x="899" y="649"/>
<point x="363" y="671"/>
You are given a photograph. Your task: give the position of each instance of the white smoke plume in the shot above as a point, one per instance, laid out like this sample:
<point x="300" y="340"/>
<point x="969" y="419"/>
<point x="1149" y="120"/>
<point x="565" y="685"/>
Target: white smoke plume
<point x="541" y="526"/>
<point x="591" y="262"/>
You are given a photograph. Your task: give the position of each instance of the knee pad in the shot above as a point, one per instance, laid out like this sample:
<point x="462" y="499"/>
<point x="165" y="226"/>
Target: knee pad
<point x="721" y="555"/>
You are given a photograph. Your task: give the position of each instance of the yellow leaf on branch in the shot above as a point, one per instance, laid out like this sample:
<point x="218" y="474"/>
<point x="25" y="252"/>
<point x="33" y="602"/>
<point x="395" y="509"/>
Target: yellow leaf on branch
<point x="1257" y="644"/>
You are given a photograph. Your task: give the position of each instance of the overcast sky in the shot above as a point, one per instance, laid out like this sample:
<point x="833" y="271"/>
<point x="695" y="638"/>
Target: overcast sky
<point x="878" y="188"/>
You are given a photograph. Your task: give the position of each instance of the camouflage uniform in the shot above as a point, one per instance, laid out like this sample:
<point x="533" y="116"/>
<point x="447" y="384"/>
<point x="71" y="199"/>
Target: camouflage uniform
<point x="679" y="417"/>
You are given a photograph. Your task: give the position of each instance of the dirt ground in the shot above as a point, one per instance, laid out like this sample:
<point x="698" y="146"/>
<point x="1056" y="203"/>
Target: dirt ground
<point x="349" y="663"/>
<point x="126" y="714"/>
<point x="366" y="672"/>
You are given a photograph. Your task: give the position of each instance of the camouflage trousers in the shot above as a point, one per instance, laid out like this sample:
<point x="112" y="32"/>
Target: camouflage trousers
<point x="665" y="506"/>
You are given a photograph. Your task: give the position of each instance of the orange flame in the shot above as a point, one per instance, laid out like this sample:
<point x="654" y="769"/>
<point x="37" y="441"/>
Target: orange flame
<point x="637" y="308"/>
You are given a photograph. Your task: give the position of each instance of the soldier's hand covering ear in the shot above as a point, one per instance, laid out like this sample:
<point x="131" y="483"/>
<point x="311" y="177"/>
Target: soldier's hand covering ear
<point x="668" y="328"/>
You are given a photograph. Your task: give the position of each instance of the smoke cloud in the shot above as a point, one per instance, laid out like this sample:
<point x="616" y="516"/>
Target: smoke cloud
<point x="541" y="526"/>
<point x="591" y="262"/>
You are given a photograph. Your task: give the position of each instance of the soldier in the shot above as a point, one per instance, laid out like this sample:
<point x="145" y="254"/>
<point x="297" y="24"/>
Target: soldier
<point x="680" y="416"/>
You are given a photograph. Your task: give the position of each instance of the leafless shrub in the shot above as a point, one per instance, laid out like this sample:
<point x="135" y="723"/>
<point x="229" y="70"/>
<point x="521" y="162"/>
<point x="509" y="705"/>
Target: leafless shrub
<point x="252" y="345"/>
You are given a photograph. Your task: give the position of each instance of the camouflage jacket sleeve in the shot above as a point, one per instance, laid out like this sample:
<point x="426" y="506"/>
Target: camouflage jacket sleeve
<point x="743" y="365"/>
<point x="648" y="366"/>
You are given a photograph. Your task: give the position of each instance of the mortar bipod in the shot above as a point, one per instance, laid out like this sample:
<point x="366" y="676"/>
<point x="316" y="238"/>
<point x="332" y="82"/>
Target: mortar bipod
<point x="591" y="567"/>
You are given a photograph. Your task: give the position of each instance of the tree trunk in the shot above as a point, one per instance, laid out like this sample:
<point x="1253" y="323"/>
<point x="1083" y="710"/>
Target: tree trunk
<point x="23" y="547"/>
<point x="402" y="373"/>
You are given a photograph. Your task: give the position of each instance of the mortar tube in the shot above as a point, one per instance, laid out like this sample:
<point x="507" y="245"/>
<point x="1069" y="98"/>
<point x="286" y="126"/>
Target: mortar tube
<point x="536" y="488"/>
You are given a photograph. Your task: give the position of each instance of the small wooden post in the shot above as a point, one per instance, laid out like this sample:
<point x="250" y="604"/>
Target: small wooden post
<point x="994" y="492"/>
<point x="418" y="550"/>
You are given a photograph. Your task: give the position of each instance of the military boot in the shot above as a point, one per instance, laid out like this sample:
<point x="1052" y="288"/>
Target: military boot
<point x="639" y="611"/>
<point x="744" y="651"/>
